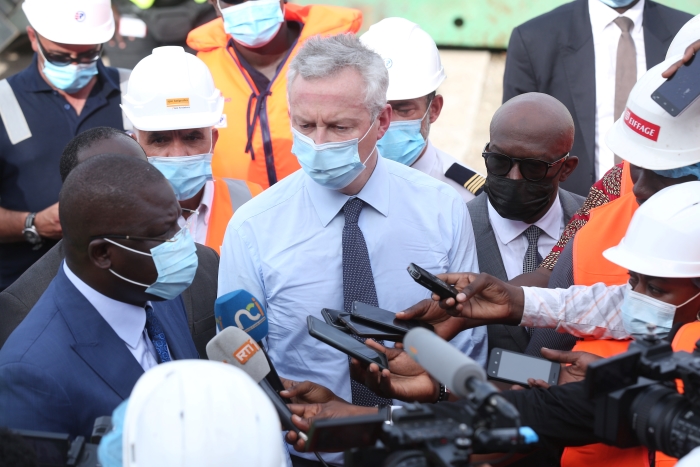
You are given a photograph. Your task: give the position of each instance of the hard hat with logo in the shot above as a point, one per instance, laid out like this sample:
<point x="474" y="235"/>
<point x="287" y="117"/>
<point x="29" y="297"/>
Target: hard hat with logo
<point x="410" y="55"/>
<point x="647" y="136"/>
<point x="200" y="413"/>
<point x="172" y="90"/>
<point x="71" y="21"/>
<point x="662" y="238"/>
<point x="689" y="33"/>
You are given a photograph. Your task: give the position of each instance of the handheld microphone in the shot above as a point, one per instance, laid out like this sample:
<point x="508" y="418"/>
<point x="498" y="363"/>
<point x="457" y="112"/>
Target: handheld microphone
<point x="237" y="348"/>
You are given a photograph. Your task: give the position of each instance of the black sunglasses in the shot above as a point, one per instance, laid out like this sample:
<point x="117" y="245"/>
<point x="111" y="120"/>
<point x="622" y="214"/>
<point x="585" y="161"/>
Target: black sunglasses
<point x="532" y="170"/>
<point x="65" y="59"/>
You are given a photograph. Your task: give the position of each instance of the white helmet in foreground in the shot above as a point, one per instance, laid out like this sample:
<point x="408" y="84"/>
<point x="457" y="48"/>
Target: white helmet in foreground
<point x="410" y="56"/>
<point x="649" y="137"/>
<point x="192" y="413"/>
<point x="662" y="238"/>
<point x="172" y="90"/>
<point x="75" y="22"/>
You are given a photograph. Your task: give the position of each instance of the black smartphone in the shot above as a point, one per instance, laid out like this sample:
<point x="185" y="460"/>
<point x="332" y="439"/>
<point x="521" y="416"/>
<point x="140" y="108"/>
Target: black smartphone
<point x="364" y="329"/>
<point x="679" y="91"/>
<point x="430" y="282"/>
<point x="385" y="319"/>
<point x="339" y="434"/>
<point x="281" y="407"/>
<point x="273" y="378"/>
<point x="332" y="317"/>
<point x="514" y="367"/>
<point x="345" y="343"/>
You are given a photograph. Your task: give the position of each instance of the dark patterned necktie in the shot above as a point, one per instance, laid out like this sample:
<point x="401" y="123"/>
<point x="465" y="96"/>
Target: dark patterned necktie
<point x="532" y="257"/>
<point x="157" y="336"/>
<point x="358" y="285"/>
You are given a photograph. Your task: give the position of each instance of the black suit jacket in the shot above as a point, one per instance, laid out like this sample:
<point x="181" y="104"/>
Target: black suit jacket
<point x="22" y="295"/>
<point x="553" y="54"/>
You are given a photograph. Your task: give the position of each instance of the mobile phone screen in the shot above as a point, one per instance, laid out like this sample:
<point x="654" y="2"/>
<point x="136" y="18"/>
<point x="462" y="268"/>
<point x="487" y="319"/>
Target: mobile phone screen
<point x="344" y="342"/>
<point x="678" y="92"/>
<point x="519" y="368"/>
<point x="385" y="318"/>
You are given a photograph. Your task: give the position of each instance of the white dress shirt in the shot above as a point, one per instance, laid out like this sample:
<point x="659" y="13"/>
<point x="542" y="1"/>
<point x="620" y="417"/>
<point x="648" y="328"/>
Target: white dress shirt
<point x="435" y="163"/>
<point x="199" y="220"/>
<point x="606" y="35"/>
<point x="128" y="321"/>
<point x="285" y="247"/>
<point x="583" y="311"/>
<point x="512" y="242"/>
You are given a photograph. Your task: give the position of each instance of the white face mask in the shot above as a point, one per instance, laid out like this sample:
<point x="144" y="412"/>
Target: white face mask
<point x="638" y="310"/>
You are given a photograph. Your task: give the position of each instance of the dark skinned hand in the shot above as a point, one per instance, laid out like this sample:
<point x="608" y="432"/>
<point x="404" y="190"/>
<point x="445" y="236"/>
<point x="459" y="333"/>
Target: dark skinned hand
<point x="573" y="366"/>
<point x="405" y="379"/>
<point x="304" y="416"/>
<point x="427" y="310"/>
<point x="689" y="53"/>
<point x="307" y="392"/>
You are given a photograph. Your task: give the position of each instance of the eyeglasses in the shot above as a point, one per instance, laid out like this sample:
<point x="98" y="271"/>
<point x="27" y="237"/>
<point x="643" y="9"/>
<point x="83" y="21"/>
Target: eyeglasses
<point x="65" y="59"/>
<point x="532" y="170"/>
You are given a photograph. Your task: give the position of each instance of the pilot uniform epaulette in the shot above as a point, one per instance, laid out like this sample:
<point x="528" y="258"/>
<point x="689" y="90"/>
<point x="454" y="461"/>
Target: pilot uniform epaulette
<point x="472" y="181"/>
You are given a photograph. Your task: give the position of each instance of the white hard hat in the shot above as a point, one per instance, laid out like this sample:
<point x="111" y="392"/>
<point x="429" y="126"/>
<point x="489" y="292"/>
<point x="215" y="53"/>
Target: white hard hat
<point x="410" y="55"/>
<point x="199" y="412"/>
<point x="689" y="33"/>
<point x="662" y="238"/>
<point x="71" y="21"/>
<point x="649" y="137"/>
<point x="172" y="90"/>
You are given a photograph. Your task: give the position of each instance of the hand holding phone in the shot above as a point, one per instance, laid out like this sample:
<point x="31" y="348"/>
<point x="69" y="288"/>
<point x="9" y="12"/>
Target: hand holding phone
<point x="385" y="319"/>
<point x="345" y="343"/>
<point x="679" y="91"/>
<point x="431" y="282"/>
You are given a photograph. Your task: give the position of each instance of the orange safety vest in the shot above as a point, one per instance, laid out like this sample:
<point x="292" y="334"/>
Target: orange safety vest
<point x="605" y="228"/>
<point x="229" y="195"/>
<point x="585" y="456"/>
<point x="267" y="158"/>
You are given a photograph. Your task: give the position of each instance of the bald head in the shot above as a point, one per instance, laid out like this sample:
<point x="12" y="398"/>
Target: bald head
<point x="532" y="125"/>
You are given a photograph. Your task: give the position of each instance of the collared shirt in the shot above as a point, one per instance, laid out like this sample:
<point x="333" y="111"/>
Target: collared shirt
<point x="583" y="311"/>
<point x="128" y="321"/>
<point x="435" y="163"/>
<point x="199" y="220"/>
<point x="29" y="175"/>
<point x="512" y="242"/>
<point x="285" y="247"/>
<point x="606" y="35"/>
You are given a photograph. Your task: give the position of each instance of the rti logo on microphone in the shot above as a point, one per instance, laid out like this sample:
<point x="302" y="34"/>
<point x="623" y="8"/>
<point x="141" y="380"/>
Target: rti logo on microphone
<point x="250" y="317"/>
<point x="246" y="351"/>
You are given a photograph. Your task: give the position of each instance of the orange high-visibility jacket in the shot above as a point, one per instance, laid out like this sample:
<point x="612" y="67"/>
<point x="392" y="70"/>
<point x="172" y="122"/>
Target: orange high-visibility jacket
<point x="586" y="456"/>
<point x="268" y="158"/>
<point x="229" y="195"/>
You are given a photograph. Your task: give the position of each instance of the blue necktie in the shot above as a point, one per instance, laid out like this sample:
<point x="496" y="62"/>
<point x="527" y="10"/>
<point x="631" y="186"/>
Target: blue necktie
<point x="358" y="285"/>
<point x="157" y="336"/>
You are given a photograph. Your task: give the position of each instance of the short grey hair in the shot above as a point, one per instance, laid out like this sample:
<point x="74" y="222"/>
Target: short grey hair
<point x="322" y="57"/>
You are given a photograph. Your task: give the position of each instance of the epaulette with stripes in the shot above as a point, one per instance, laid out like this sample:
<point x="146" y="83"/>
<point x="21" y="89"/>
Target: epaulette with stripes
<point x="472" y="181"/>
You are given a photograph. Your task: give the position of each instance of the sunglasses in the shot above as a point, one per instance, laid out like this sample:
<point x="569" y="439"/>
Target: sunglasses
<point x="532" y="170"/>
<point x="65" y="59"/>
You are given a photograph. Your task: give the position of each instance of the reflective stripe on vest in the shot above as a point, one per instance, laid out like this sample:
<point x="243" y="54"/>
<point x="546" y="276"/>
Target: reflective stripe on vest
<point x="124" y="75"/>
<point x="229" y="195"/>
<point x="12" y="115"/>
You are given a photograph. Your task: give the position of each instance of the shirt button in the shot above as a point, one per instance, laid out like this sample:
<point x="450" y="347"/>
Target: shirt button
<point x="67" y="106"/>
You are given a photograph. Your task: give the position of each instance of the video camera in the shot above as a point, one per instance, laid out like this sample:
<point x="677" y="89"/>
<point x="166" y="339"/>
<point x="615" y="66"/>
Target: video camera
<point x="636" y="401"/>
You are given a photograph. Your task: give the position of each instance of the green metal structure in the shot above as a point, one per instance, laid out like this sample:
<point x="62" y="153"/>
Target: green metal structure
<point x="467" y="23"/>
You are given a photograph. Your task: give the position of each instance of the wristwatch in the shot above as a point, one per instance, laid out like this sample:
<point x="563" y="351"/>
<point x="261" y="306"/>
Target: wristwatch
<point x="30" y="233"/>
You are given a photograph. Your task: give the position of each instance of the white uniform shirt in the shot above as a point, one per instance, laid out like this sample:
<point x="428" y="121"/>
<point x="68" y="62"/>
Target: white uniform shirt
<point x="128" y="321"/>
<point x="606" y="35"/>
<point x="199" y="220"/>
<point x="435" y="163"/>
<point x="512" y="242"/>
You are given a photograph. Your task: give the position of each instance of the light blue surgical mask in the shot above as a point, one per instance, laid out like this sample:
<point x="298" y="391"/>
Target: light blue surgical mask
<point x="693" y="170"/>
<point x="253" y="23"/>
<point x="617" y="3"/>
<point x="403" y="141"/>
<point x="70" y="78"/>
<point x="331" y="165"/>
<point x="186" y="174"/>
<point x="176" y="262"/>
<point x="638" y="310"/>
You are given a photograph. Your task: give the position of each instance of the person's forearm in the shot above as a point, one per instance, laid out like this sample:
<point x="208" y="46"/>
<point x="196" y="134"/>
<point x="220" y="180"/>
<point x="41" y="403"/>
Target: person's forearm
<point x="537" y="278"/>
<point x="582" y="311"/>
<point x="11" y="225"/>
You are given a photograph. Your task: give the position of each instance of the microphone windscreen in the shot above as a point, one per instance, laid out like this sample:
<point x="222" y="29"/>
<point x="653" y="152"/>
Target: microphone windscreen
<point x="237" y="348"/>
<point x="239" y="308"/>
<point x="442" y="360"/>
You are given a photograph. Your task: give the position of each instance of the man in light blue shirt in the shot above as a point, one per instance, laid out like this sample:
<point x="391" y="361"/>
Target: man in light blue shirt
<point x="297" y="247"/>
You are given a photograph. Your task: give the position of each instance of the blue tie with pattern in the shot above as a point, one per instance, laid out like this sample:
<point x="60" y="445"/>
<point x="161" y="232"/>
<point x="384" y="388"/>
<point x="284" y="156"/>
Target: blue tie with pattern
<point x="157" y="336"/>
<point x="358" y="285"/>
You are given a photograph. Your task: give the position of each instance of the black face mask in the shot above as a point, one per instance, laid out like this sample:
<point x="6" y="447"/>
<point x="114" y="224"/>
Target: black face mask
<point x="518" y="200"/>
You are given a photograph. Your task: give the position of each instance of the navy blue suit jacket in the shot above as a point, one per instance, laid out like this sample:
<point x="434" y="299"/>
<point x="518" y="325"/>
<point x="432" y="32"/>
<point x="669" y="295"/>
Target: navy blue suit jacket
<point x="64" y="366"/>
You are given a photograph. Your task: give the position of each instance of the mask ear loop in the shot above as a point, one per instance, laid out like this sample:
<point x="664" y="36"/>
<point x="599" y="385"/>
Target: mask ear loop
<point x="375" y="144"/>
<point x="134" y="251"/>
